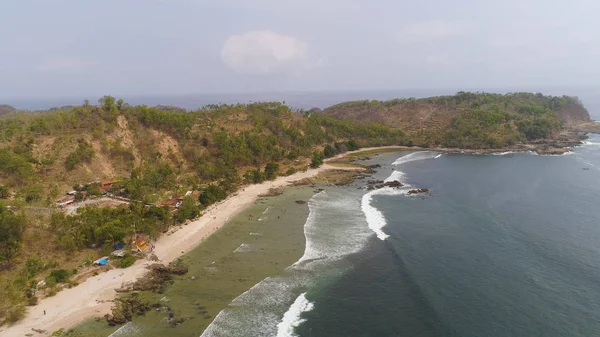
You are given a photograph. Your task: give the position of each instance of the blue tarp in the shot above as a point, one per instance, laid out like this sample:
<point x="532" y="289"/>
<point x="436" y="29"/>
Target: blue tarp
<point x="103" y="262"/>
<point x="119" y="245"/>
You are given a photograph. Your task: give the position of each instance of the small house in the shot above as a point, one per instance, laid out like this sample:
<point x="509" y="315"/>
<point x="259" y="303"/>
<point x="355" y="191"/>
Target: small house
<point x="65" y="201"/>
<point x="106" y="185"/>
<point x="142" y="244"/>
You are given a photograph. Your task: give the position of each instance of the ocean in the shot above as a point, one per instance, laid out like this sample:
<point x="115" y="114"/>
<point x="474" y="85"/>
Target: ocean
<point x="504" y="245"/>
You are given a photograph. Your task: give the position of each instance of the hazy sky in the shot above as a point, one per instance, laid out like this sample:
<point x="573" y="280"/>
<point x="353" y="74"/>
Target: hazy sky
<point x="77" y="47"/>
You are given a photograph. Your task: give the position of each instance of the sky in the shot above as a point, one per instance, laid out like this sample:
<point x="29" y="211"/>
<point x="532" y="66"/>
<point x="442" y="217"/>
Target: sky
<point x="137" y="47"/>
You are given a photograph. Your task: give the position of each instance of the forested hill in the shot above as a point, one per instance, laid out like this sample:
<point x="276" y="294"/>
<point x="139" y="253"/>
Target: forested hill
<point x="470" y="120"/>
<point x="44" y="153"/>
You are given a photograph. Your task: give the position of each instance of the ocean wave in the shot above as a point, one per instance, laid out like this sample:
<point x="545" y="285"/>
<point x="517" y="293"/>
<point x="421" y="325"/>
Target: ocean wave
<point x="126" y="330"/>
<point x="293" y="317"/>
<point x="243" y="248"/>
<point x="374" y="217"/>
<point x="324" y="244"/>
<point x="421" y="155"/>
<point x="502" y="153"/>
<point x="331" y="233"/>
<point x="395" y="176"/>
<point x="439" y="155"/>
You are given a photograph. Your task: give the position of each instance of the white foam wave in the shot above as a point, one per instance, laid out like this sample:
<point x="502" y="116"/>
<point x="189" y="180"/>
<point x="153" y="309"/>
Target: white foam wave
<point x="243" y="248"/>
<point x="439" y="155"/>
<point x="331" y="232"/>
<point x="502" y="153"/>
<point x="375" y="219"/>
<point x="395" y="176"/>
<point x="293" y="317"/>
<point x="323" y="243"/>
<point x="263" y="217"/>
<point x="421" y="155"/>
<point x="126" y="330"/>
<point x="590" y="143"/>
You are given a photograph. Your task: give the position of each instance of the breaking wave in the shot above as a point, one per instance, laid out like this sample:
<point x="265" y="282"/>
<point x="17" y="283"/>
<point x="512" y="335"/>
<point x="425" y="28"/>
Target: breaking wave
<point x="293" y="317"/>
<point x="273" y="307"/>
<point x="421" y="155"/>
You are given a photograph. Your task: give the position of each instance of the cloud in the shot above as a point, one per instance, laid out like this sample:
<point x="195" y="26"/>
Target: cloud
<point x="64" y="64"/>
<point x="430" y="30"/>
<point x="265" y="52"/>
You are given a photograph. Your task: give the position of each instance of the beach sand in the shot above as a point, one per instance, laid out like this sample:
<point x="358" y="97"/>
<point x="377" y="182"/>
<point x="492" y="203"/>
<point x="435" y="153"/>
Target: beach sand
<point x="94" y="296"/>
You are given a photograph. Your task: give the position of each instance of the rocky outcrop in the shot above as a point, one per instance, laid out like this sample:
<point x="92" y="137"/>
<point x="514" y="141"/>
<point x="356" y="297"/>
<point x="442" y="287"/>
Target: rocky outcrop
<point x="378" y="184"/>
<point x="418" y="191"/>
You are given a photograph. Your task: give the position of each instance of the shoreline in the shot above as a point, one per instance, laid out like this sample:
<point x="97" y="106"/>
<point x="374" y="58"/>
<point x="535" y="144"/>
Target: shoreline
<point x="94" y="297"/>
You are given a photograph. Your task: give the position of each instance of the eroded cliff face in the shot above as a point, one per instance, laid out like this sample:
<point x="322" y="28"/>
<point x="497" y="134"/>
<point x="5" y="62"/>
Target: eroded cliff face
<point x="574" y="114"/>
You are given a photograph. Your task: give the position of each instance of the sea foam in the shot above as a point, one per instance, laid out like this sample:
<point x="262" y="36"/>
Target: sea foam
<point x="293" y="317"/>
<point x="375" y="219"/>
<point x="421" y="155"/>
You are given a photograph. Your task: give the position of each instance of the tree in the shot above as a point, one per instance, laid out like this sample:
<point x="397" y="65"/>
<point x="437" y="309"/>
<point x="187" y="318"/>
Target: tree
<point x="352" y="145"/>
<point x="212" y="194"/>
<point x="79" y="196"/>
<point x="271" y="171"/>
<point x="317" y="160"/>
<point x="254" y="176"/>
<point x="120" y="103"/>
<point x="107" y="102"/>
<point x="12" y="228"/>
<point x="4" y="193"/>
<point x="329" y="151"/>
<point x="188" y="210"/>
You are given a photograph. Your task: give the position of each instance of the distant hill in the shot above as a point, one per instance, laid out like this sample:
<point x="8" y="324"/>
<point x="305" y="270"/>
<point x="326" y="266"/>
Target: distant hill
<point x="6" y="109"/>
<point x="471" y="120"/>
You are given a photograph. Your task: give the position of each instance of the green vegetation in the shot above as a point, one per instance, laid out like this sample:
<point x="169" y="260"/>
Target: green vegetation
<point x="83" y="153"/>
<point x="188" y="210"/>
<point x="126" y="261"/>
<point x="58" y="276"/>
<point x="157" y="152"/>
<point x="12" y="228"/>
<point x="212" y="194"/>
<point x="99" y="227"/>
<point x="469" y="120"/>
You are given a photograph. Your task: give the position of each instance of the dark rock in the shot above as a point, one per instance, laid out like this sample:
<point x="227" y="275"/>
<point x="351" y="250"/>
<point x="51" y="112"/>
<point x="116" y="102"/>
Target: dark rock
<point x="300" y="202"/>
<point x="373" y="182"/>
<point x="418" y="191"/>
<point x="392" y="184"/>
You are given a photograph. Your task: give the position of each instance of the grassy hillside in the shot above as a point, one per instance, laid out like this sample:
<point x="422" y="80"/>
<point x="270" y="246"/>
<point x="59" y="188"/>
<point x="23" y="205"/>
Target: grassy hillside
<point x="470" y="120"/>
<point x="153" y="154"/>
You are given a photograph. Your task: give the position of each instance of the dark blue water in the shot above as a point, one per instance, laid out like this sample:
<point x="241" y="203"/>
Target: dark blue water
<point x="505" y="246"/>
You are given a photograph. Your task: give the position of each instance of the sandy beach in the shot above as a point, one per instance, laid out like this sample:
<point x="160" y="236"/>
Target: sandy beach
<point x="93" y="297"/>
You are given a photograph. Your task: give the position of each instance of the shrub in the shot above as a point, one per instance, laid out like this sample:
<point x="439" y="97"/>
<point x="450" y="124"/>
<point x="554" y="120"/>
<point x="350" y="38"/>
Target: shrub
<point x="271" y="171"/>
<point x="33" y="300"/>
<point x="329" y="151"/>
<point x="291" y="171"/>
<point x="317" y="160"/>
<point x="127" y="261"/>
<point x="58" y="276"/>
<point x="16" y="313"/>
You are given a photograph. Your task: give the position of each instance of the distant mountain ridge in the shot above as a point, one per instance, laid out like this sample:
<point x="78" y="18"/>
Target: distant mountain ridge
<point x="6" y="109"/>
<point x="470" y="119"/>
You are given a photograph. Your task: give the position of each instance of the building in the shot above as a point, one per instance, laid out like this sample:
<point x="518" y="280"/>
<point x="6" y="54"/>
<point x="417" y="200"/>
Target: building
<point x="65" y="201"/>
<point x="106" y="185"/>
